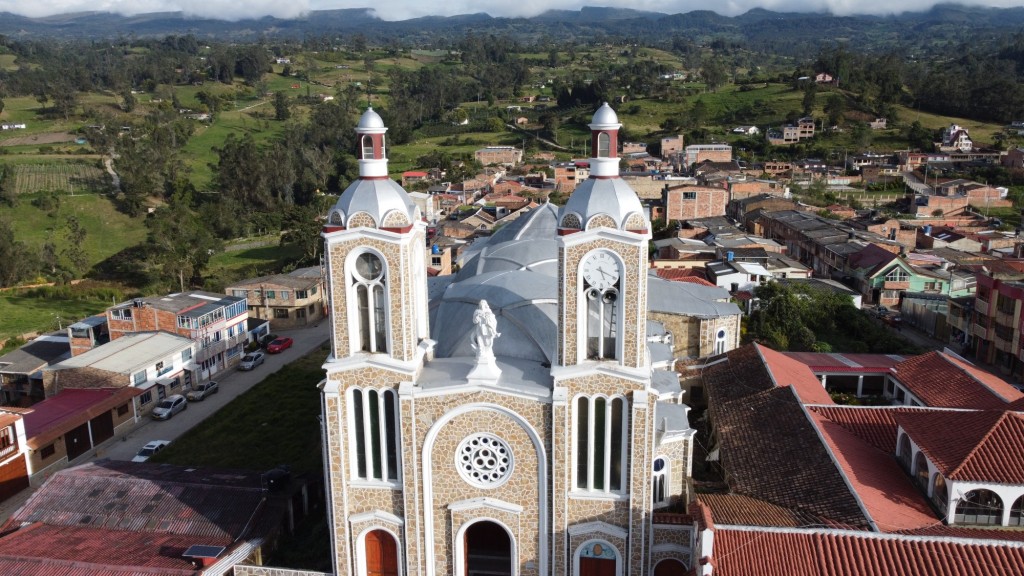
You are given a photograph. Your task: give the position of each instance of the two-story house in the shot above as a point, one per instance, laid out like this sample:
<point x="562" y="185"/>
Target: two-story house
<point x="287" y="300"/>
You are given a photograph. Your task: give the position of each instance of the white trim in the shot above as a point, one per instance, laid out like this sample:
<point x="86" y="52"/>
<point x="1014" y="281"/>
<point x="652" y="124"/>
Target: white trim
<point x="583" y="311"/>
<point x="352" y="283"/>
<point x="587" y="367"/>
<point x="669" y="547"/>
<point x="360" y="549"/>
<point x="378" y="516"/>
<point x="598" y="527"/>
<point x="460" y="552"/>
<point x="485" y="502"/>
<point x="666" y="481"/>
<point x="368" y="448"/>
<point x="585" y="236"/>
<point x="428" y="488"/>
<point x="579" y="549"/>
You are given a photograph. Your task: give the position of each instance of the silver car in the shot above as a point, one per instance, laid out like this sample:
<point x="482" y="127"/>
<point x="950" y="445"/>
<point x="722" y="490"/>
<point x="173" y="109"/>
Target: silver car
<point x="169" y="407"/>
<point x="201" y="391"/>
<point x="251" y="360"/>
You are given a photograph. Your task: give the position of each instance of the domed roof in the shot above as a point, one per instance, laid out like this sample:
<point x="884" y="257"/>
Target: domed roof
<point x="382" y="199"/>
<point x="612" y="197"/>
<point x="605" y="115"/>
<point x="370" y="120"/>
<point x="516" y="271"/>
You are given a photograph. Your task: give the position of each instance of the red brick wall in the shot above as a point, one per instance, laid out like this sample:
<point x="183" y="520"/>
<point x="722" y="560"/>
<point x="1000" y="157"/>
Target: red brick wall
<point x="708" y="202"/>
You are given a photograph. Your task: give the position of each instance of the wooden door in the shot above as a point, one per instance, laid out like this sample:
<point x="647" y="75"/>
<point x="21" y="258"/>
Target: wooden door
<point x="597" y="567"/>
<point x="381" y="554"/>
<point x="670" y="568"/>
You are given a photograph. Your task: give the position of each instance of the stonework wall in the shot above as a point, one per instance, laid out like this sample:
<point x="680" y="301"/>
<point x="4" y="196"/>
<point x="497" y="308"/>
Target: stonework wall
<point x="244" y="570"/>
<point x="633" y="299"/>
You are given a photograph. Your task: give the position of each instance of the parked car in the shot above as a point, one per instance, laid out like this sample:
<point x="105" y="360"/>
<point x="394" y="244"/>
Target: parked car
<point x="251" y="360"/>
<point x="280" y="345"/>
<point x="169" y="407"/>
<point x="150" y="449"/>
<point x="201" y="391"/>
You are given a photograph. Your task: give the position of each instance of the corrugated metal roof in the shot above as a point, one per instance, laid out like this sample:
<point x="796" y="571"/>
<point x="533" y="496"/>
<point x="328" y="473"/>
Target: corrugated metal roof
<point x="128" y="354"/>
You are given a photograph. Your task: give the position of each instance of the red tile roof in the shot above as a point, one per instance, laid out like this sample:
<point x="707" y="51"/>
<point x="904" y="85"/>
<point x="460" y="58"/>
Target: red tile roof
<point x="942" y="381"/>
<point x="874" y="425"/>
<point x="31" y="550"/>
<point x="983" y="446"/>
<point x="794" y="552"/>
<point x="786" y="371"/>
<point x="690" y="275"/>
<point x="69" y="409"/>
<point x="886" y="492"/>
<point x="740" y="510"/>
<point x="976" y="532"/>
<point x="855" y="363"/>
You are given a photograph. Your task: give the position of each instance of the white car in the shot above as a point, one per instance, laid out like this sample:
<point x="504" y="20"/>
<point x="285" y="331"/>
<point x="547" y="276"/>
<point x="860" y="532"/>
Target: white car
<point x="150" y="449"/>
<point x="169" y="407"/>
<point x="251" y="360"/>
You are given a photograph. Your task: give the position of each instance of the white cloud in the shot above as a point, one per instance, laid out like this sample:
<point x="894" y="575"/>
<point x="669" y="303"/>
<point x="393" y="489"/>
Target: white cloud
<point x="405" y="9"/>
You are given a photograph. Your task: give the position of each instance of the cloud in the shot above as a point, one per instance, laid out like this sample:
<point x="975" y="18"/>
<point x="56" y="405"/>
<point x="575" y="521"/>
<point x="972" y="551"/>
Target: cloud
<point x="405" y="9"/>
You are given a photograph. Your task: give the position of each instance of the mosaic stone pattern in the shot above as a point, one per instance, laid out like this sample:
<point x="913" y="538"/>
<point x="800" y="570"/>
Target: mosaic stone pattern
<point x="637" y="222"/>
<point x="571" y="221"/>
<point x="361" y="220"/>
<point x="601" y="221"/>
<point x="395" y="219"/>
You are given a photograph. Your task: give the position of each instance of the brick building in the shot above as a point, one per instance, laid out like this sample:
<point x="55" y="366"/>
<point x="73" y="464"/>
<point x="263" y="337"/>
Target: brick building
<point x="697" y="153"/>
<point x="499" y="155"/>
<point x="687" y="202"/>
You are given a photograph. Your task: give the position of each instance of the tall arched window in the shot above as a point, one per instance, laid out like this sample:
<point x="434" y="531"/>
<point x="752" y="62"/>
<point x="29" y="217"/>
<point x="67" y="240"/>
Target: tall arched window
<point x="373" y="418"/>
<point x="600" y="443"/>
<point x="720" y="341"/>
<point x="660" y="488"/>
<point x="368" y="148"/>
<point x="921" y="474"/>
<point x="601" y="289"/>
<point x="903" y="454"/>
<point x="604" y="145"/>
<point x="981" y="506"/>
<point x="940" y="494"/>
<point x="1017" y="512"/>
<point x="369" y="285"/>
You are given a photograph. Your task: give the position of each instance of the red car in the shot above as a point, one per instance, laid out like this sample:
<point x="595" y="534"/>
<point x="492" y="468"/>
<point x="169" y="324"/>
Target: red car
<point x="280" y="345"/>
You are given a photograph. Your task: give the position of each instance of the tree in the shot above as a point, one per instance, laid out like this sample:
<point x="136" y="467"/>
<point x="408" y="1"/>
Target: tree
<point x="835" y="107"/>
<point x="17" y="262"/>
<point x="1" y="105"/>
<point x="179" y="243"/>
<point x="302" y="228"/>
<point x="810" y="94"/>
<point x="714" y="73"/>
<point x="282" y="110"/>
<point x="128" y="100"/>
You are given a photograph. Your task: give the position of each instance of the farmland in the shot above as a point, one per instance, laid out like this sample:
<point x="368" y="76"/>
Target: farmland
<point x="68" y="177"/>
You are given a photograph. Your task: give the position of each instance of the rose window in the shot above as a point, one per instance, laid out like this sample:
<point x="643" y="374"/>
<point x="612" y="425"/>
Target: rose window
<point x="484" y="460"/>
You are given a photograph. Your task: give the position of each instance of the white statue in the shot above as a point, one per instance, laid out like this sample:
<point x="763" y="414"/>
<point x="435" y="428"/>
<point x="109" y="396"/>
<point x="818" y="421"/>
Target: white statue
<point x="486" y="330"/>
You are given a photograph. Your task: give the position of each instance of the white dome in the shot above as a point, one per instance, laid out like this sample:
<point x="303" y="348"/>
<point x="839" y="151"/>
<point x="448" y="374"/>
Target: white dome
<point x="605" y="116"/>
<point x="612" y="197"/>
<point x="381" y="199"/>
<point x="371" y="120"/>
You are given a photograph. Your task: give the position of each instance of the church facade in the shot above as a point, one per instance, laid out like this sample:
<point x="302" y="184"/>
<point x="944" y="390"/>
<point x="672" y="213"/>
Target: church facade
<point x="507" y="419"/>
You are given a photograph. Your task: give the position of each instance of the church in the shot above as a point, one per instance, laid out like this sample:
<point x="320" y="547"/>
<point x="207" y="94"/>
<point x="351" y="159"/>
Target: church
<point x="518" y="417"/>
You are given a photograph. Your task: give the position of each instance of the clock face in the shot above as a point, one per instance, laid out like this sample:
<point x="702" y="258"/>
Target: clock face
<point x="601" y="270"/>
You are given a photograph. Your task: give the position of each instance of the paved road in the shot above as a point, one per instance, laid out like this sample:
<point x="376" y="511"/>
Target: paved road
<point x="232" y="383"/>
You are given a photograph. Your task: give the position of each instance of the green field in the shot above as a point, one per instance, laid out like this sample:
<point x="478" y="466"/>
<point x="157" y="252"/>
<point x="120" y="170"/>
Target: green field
<point x="44" y="310"/>
<point x="69" y="177"/>
<point x="107" y="230"/>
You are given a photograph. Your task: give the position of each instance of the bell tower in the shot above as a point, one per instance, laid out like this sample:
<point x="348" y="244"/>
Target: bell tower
<point x="376" y="270"/>
<point x="603" y="234"/>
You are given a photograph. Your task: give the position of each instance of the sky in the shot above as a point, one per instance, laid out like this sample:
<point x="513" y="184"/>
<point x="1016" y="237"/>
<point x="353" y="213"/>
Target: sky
<point x="405" y="9"/>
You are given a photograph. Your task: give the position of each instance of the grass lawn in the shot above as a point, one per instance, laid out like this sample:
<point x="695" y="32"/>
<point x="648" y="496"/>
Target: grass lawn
<point x="232" y="265"/>
<point x="273" y="423"/>
<point x="107" y="230"/>
<point x="199" y="153"/>
<point x="26" y="311"/>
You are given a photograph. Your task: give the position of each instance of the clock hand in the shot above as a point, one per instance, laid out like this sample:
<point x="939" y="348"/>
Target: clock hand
<point x="601" y="270"/>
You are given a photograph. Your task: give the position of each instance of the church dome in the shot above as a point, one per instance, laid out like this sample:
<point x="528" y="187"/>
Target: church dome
<point x="516" y="272"/>
<point x="374" y="203"/>
<point x="608" y="202"/>
<point x="605" y="116"/>
<point x="370" y="120"/>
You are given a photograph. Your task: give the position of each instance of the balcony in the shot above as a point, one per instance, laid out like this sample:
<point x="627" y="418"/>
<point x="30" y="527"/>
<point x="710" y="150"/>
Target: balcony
<point x="8" y="450"/>
<point x="1005" y="318"/>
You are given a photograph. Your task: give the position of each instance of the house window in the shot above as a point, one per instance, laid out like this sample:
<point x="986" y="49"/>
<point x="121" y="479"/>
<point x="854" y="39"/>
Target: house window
<point x="164" y="367"/>
<point x="903" y="454"/>
<point x="240" y="293"/>
<point x="660" y="488"/>
<point x="603" y="145"/>
<point x="121" y="314"/>
<point x="146" y="398"/>
<point x="689" y="195"/>
<point x="312" y="290"/>
<point x="186" y="355"/>
<point x="280" y="312"/>
<point x="982" y="507"/>
<point x="896" y="275"/>
<point x="600" y="443"/>
<point x="368" y="148"/>
<point x="6" y="438"/>
<point x="139" y="377"/>
<point x="300" y="294"/>
<point x="47" y="451"/>
<point x="368" y="282"/>
<point x="122" y="409"/>
<point x="282" y="295"/>
<point x="1017" y="512"/>
<point x="374" y="417"/>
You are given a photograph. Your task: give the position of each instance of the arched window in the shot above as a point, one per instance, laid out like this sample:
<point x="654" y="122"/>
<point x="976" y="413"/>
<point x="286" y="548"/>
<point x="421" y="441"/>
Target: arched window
<point x="720" y="337"/>
<point x="368" y="148"/>
<point x="600" y="443"/>
<point x="921" y="471"/>
<point x="660" y="488"/>
<point x="940" y="494"/>
<point x="1017" y="512"/>
<point x="903" y="454"/>
<point x="670" y="567"/>
<point x="981" y="506"/>
<point x="604" y="145"/>
<point x="374" y="423"/>
<point x="368" y="282"/>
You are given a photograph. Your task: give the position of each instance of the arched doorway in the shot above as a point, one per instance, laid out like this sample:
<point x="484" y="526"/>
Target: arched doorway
<point x="488" y="550"/>
<point x="381" y="554"/>
<point x="670" y="568"/>
<point x="598" y="559"/>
